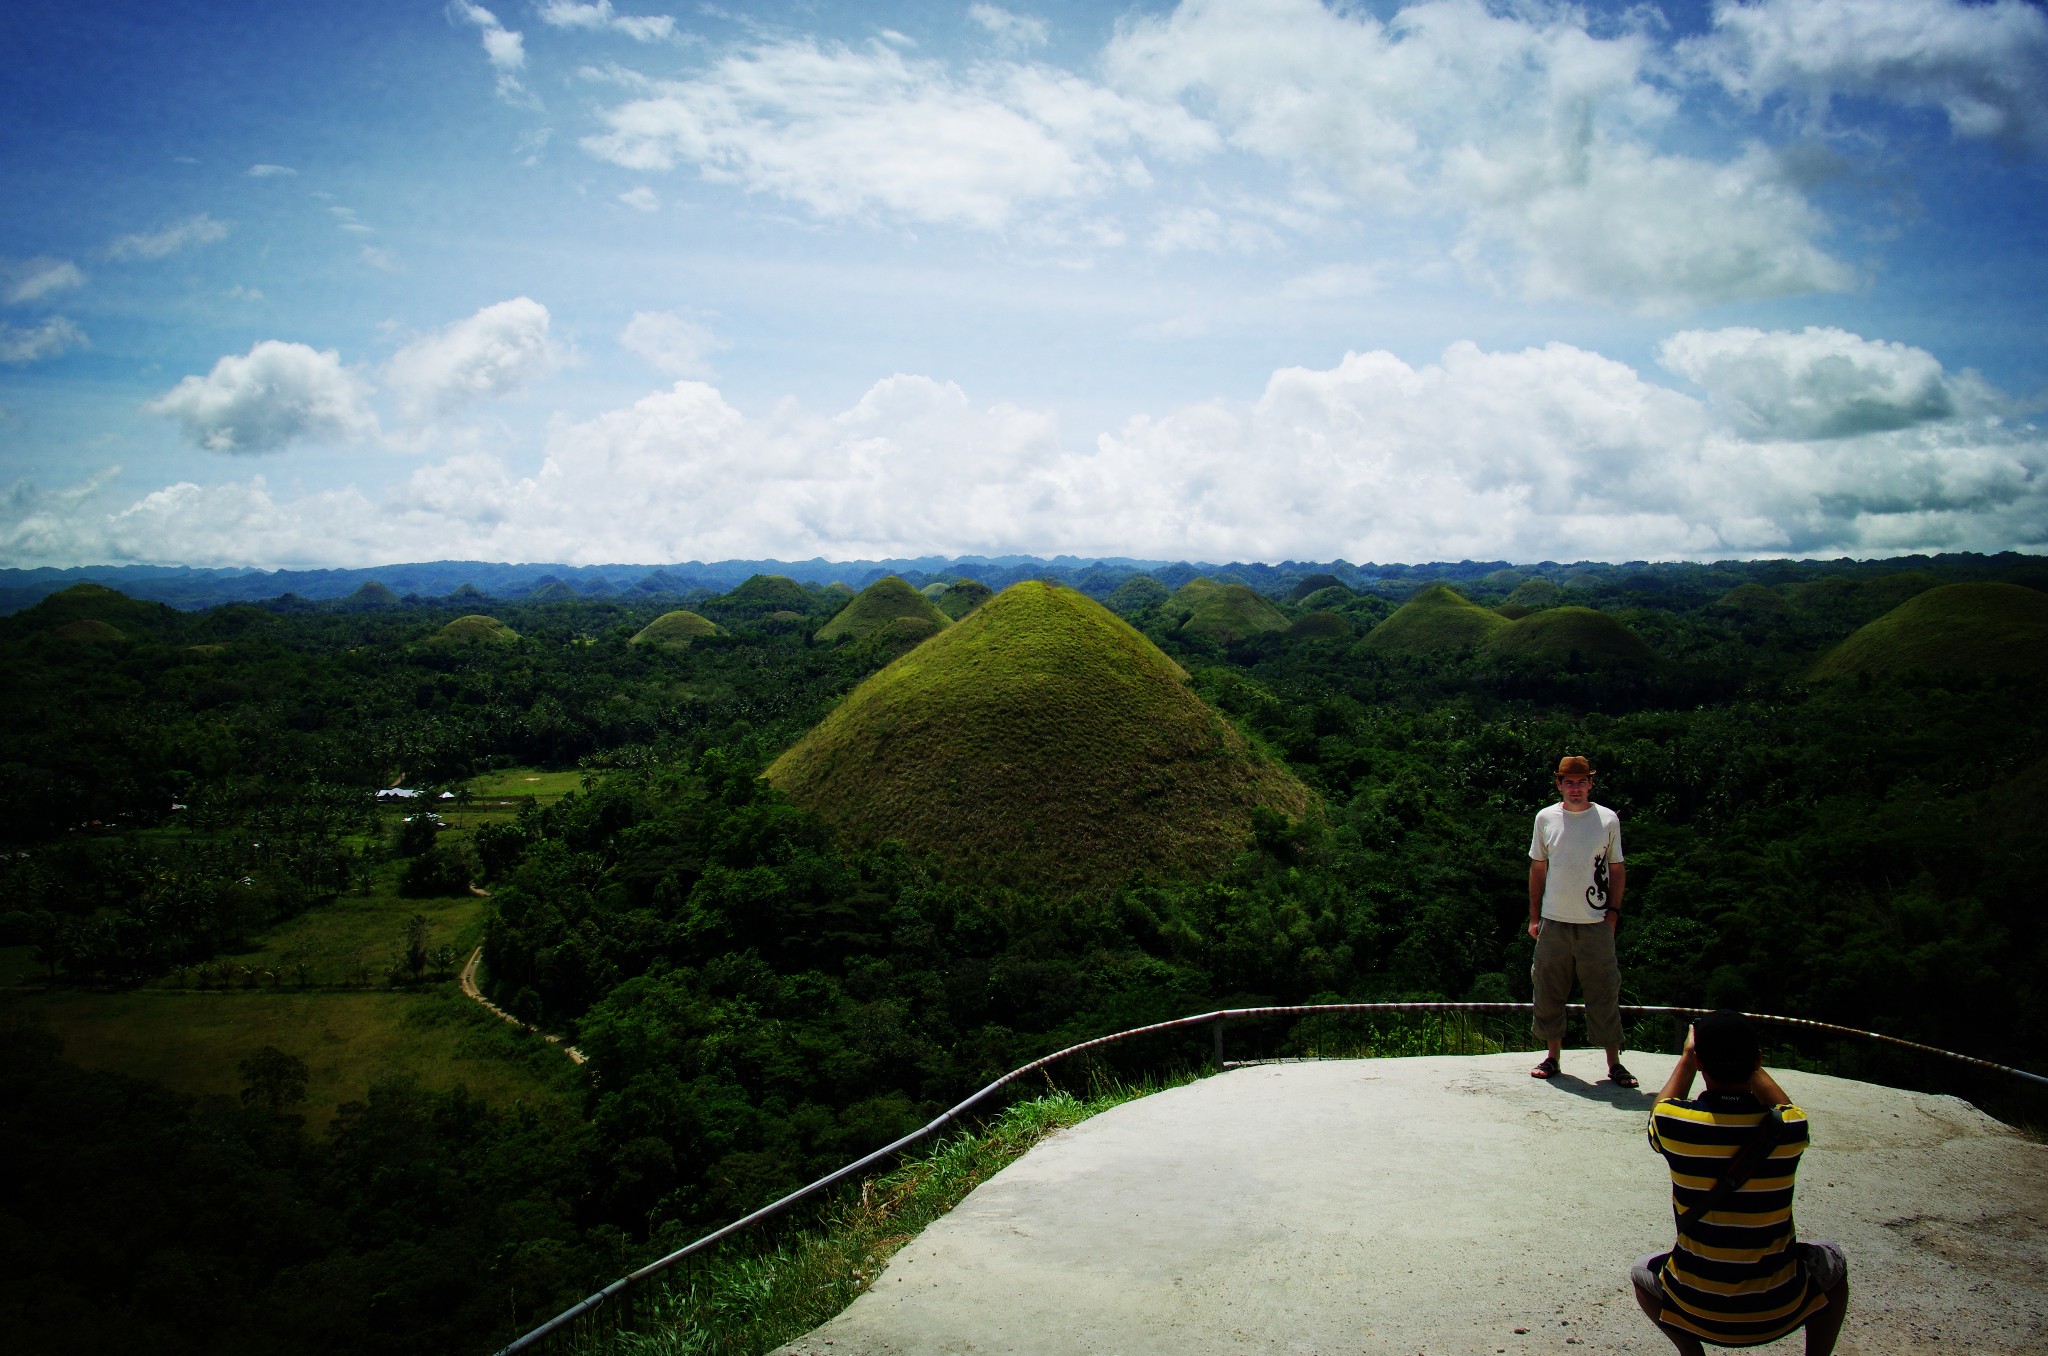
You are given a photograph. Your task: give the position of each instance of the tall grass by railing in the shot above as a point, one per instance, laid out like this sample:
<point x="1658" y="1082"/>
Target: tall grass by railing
<point x="744" y="1300"/>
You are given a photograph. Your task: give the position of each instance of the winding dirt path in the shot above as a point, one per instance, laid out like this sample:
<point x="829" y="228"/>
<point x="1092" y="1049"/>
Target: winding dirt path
<point x="470" y="989"/>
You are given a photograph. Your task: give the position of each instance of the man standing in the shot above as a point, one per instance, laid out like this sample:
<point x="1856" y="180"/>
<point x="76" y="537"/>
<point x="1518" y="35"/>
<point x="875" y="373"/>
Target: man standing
<point x="1737" y="1276"/>
<point x="1576" y="880"/>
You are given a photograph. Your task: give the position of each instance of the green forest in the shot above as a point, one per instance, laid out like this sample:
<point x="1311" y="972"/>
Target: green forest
<point x="794" y="866"/>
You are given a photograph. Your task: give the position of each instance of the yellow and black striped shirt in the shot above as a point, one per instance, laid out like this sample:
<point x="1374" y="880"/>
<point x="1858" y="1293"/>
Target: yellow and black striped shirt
<point x="1735" y="1278"/>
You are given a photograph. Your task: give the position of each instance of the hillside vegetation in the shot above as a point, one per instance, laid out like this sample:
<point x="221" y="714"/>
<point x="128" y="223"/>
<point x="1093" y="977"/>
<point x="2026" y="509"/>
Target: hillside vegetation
<point x="1955" y="628"/>
<point x="884" y="604"/>
<point x="1039" y="739"/>
<point x="1436" y="620"/>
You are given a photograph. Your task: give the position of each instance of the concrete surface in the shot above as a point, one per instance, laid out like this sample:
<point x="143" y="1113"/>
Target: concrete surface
<point x="1442" y="1205"/>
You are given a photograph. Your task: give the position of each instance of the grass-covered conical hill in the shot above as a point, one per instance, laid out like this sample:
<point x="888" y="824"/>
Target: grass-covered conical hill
<point x="962" y="596"/>
<point x="1955" y="628"/>
<point x="1568" y="635"/>
<point x="1221" y="613"/>
<point x="112" y="615"/>
<point x="1040" y="739"/>
<point x="1533" y="594"/>
<point x="886" y="600"/>
<point x="674" y="630"/>
<point x="476" y="629"/>
<point x="1436" y="619"/>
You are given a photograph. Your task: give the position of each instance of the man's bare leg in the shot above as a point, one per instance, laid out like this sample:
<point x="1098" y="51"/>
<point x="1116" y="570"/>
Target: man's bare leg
<point x="1824" y="1327"/>
<point x="1687" y="1344"/>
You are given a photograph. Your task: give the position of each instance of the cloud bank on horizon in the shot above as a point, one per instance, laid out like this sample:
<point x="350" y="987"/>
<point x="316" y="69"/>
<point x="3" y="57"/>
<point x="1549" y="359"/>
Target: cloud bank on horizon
<point x="1260" y="279"/>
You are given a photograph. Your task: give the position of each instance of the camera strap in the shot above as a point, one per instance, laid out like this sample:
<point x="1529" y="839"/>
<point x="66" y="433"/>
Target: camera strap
<point x="1769" y="1131"/>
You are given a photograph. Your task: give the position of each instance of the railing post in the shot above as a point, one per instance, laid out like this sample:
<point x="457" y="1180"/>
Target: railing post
<point x="1219" y="1044"/>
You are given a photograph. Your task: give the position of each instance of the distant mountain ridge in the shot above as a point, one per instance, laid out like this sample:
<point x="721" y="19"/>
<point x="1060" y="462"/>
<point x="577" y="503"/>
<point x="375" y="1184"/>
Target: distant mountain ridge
<point x="193" y="588"/>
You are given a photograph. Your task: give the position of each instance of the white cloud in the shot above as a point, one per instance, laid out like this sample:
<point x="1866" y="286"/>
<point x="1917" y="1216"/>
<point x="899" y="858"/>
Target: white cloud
<point x="848" y="132"/>
<point x="1662" y="233"/>
<point x="600" y="16"/>
<point x="1012" y="31"/>
<point x="1545" y="453"/>
<point x="492" y="353"/>
<point x="641" y="199"/>
<point x="269" y="171"/>
<point x="380" y="260"/>
<point x="670" y="343"/>
<point x="34" y="279"/>
<point x="504" y="48"/>
<point x="1984" y="65"/>
<point x="1203" y="230"/>
<point x="1538" y="133"/>
<point x="54" y="336"/>
<point x="180" y="235"/>
<point x="275" y="395"/>
<point x="1819" y="383"/>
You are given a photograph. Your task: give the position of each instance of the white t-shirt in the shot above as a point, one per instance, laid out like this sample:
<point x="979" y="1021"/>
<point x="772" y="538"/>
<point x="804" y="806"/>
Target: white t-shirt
<point x="1579" y="848"/>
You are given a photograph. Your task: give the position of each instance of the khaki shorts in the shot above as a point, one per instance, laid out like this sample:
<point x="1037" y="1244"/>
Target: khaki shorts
<point x="1584" y="951"/>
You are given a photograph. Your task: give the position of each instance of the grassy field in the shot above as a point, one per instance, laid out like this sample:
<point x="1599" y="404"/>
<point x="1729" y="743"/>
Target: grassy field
<point x="337" y="941"/>
<point x="520" y="782"/>
<point x="192" y="1042"/>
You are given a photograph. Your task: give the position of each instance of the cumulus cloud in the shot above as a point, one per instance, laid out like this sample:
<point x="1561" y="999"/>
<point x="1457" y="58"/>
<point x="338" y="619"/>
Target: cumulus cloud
<point x="269" y="171"/>
<point x="1010" y="30"/>
<point x="601" y="17"/>
<point x="276" y="394"/>
<point x="34" y="279"/>
<point x="28" y="345"/>
<point x="1543" y="453"/>
<point x="504" y="48"/>
<point x="492" y="353"/>
<point x="172" y="239"/>
<point x="1539" y="132"/>
<point x="1817" y="384"/>
<point x="848" y="131"/>
<point x="641" y="199"/>
<point x="1985" y="66"/>
<point x="670" y="343"/>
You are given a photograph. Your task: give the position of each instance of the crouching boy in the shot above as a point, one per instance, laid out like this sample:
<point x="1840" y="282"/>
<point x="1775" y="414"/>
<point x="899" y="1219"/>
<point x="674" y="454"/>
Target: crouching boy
<point x="1737" y="1275"/>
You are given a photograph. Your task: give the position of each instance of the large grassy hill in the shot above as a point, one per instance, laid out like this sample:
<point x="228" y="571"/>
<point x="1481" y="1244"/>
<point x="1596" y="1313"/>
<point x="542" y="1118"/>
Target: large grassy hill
<point x="1955" y="628"/>
<point x="762" y="594"/>
<point x="674" y="630"/>
<point x="1436" y="619"/>
<point x="91" y="611"/>
<point x="886" y="601"/>
<point x="1567" y="635"/>
<point x="1040" y="739"/>
<point x="476" y="629"/>
<point x="1221" y="613"/>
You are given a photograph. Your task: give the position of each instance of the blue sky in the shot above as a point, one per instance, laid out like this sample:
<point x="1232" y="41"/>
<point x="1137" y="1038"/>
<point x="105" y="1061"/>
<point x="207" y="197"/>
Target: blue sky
<point x="594" y="282"/>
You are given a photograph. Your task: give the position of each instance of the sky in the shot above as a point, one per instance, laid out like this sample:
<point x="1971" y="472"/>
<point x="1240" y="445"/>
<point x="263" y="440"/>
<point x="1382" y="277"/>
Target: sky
<point x="624" y="281"/>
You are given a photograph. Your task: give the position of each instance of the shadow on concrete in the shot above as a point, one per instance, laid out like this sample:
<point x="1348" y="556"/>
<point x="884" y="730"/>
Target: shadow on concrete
<point x="1614" y="1095"/>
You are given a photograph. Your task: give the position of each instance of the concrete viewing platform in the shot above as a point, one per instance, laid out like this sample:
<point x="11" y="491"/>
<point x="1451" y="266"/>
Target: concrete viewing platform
<point x="1442" y="1205"/>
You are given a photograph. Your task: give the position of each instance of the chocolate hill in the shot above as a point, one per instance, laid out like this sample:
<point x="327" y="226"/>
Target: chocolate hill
<point x="1956" y="628"/>
<point x="674" y="630"/>
<point x="885" y="604"/>
<point x="1038" y="740"/>
<point x="1436" y="619"/>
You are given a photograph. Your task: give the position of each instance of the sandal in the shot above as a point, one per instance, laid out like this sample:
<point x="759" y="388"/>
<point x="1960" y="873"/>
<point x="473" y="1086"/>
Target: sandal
<point x="1547" y="1069"/>
<point x="1620" y="1077"/>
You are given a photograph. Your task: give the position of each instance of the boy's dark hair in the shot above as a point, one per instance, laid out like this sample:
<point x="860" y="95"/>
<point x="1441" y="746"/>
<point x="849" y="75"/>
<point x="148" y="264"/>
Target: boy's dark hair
<point x="1726" y="1044"/>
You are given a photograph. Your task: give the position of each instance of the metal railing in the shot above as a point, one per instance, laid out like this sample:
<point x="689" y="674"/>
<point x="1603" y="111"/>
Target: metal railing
<point x="617" y="1298"/>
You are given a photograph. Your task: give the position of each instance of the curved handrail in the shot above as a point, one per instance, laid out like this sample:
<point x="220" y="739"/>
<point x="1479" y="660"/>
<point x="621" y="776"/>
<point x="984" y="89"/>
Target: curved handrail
<point x="620" y="1287"/>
